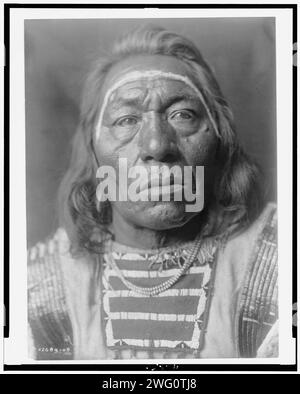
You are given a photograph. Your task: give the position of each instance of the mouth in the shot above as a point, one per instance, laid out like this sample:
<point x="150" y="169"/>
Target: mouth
<point x="161" y="181"/>
<point x="165" y="192"/>
<point x="161" y="187"/>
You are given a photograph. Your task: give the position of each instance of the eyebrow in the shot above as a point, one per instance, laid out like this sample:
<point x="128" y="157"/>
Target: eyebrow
<point x="136" y="101"/>
<point x="181" y="97"/>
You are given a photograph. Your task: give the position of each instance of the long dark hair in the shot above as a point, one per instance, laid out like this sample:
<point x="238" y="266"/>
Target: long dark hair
<point x="236" y="198"/>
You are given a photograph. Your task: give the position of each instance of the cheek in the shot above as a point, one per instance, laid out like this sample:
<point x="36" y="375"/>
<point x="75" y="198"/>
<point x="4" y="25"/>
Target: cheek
<point x="105" y="148"/>
<point x="200" y="148"/>
<point x="108" y="150"/>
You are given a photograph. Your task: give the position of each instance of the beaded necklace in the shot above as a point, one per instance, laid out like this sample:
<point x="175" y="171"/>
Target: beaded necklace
<point x="137" y="316"/>
<point x="152" y="291"/>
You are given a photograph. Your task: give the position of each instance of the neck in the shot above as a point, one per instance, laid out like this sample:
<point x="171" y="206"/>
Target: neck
<point x="144" y="238"/>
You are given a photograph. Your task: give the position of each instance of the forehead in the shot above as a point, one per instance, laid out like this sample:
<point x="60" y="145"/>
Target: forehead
<point x="141" y="64"/>
<point x="142" y="87"/>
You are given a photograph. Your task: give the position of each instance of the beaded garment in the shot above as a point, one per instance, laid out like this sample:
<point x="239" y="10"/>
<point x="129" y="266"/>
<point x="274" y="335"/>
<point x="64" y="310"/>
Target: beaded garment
<point x="135" y="324"/>
<point x="173" y="319"/>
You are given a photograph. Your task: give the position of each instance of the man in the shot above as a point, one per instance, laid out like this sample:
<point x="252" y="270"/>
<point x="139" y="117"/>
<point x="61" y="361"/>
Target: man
<point x="150" y="277"/>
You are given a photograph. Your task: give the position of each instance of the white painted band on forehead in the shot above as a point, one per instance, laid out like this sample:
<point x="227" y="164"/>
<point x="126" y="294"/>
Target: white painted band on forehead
<point x="151" y="74"/>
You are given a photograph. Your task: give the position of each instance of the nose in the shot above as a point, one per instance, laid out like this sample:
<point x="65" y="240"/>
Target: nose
<point x="157" y="140"/>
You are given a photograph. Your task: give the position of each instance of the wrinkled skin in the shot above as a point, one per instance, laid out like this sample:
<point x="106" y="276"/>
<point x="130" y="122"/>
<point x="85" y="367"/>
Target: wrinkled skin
<point x="154" y="122"/>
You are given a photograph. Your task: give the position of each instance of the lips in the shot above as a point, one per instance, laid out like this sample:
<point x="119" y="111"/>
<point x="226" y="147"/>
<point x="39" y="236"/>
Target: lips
<point x="155" y="193"/>
<point x="160" y="181"/>
<point x="161" y="186"/>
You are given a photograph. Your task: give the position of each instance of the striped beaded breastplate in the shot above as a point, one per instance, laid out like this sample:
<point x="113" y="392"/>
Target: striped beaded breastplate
<point x="174" y="318"/>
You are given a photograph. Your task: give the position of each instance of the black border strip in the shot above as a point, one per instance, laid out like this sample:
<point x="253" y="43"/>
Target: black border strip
<point x="138" y="367"/>
<point x="6" y="170"/>
<point x="295" y="174"/>
<point x="151" y="6"/>
<point x="150" y="367"/>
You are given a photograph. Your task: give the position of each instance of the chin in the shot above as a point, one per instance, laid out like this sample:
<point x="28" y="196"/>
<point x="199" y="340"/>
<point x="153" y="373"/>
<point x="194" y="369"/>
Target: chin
<point x="163" y="216"/>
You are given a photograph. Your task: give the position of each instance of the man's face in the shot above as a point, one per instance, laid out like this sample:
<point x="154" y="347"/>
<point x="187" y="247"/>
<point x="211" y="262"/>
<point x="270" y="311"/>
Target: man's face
<point x="154" y="122"/>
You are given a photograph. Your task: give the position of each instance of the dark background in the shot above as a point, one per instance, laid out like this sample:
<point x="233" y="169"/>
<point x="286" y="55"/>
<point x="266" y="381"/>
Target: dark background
<point x="58" y="55"/>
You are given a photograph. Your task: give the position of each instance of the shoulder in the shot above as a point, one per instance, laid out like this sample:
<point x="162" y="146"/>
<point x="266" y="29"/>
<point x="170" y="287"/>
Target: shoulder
<point x="262" y="228"/>
<point x="43" y="264"/>
<point x="241" y="249"/>
<point x="258" y="301"/>
<point x="267" y="224"/>
<point x="47" y="310"/>
<point x="58" y="243"/>
<point x="247" y="270"/>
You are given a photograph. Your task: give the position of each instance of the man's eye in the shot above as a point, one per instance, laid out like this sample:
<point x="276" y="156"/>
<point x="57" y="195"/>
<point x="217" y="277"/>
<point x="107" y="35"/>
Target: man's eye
<point x="183" y="115"/>
<point x="126" y="121"/>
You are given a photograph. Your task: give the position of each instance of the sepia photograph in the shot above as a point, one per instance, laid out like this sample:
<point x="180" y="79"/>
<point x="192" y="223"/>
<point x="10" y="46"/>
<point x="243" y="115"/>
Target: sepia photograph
<point x="151" y="181"/>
